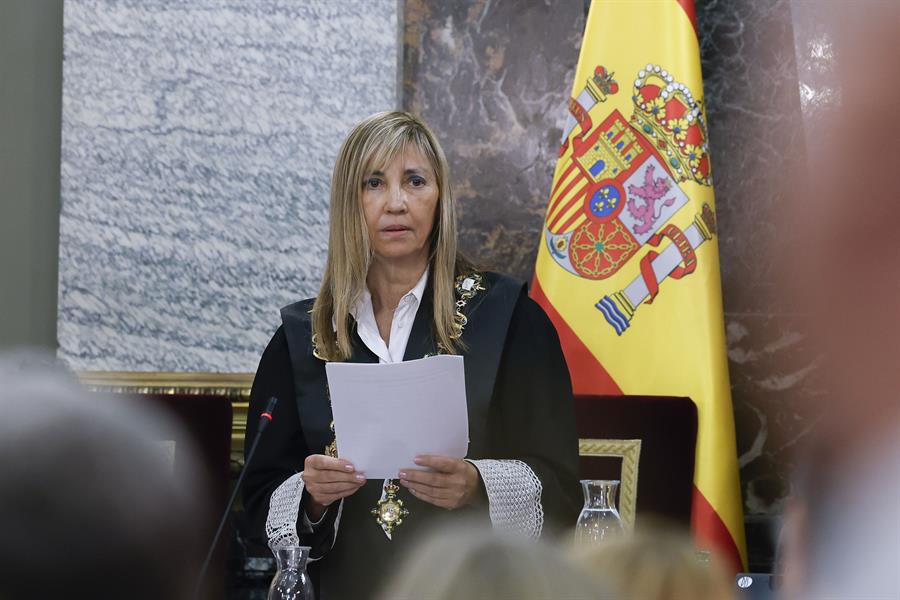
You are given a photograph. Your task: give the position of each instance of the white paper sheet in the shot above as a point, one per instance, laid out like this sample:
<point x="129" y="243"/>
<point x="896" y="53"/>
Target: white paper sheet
<point x="387" y="414"/>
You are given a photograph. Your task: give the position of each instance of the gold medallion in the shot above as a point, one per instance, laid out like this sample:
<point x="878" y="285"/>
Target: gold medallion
<point x="389" y="511"/>
<point x="331" y="449"/>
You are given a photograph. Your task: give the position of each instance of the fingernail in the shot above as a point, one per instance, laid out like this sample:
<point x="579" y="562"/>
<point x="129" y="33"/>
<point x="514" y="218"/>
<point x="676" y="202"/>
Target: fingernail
<point x="348" y="468"/>
<point x="360" y="477"/>
<point x="402" y="474"/>
<point x="418" y="461"/>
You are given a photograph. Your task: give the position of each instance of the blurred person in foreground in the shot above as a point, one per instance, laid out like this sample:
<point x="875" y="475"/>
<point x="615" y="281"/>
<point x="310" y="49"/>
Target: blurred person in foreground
<point x="90" y="507"/>
<point x="842" y="525"/>
<point x="468" y="563"/>
<point x="656" y="563"/>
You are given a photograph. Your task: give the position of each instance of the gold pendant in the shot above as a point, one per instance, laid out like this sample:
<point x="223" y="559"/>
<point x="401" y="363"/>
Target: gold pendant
<point x="331" y="449"/>
<point x="389" y="511"/>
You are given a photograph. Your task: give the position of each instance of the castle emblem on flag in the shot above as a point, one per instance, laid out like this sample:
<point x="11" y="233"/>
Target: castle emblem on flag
<point x="615" y="194"/>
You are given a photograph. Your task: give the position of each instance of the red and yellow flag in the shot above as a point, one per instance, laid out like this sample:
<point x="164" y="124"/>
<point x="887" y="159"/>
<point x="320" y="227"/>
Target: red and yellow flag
<point x="628" y="266"/>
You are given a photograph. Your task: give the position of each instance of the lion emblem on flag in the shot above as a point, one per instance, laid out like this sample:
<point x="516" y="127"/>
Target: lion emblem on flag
<point x="615" y="194"/>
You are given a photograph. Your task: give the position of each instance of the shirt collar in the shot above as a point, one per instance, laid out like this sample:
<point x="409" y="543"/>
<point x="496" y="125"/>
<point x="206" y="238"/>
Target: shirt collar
<point x="419" y="290"/>
<point x="365" y="300"/>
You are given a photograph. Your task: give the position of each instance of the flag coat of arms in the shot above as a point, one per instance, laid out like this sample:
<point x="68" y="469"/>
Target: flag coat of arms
<point x="628" y="265"/>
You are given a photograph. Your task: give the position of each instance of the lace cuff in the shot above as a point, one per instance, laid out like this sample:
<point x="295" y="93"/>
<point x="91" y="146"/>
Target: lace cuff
<point x="514" y="495"/>
<point x="284" y="510"/>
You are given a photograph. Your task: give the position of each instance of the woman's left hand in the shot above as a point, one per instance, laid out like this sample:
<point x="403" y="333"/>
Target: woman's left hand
<point x="452" y="483"/>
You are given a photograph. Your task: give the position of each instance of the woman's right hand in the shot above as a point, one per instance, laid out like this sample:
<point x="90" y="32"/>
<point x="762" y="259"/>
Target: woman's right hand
<point x="327" y="480"/>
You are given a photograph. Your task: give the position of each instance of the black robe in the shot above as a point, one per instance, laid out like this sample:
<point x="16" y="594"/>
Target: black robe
<point x="520" y="407"/>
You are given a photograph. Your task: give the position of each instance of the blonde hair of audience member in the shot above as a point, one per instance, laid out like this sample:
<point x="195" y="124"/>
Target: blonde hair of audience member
<point x="90" y="507"/>
<point x="475" y="564"/>
<point x="657" y="563"/>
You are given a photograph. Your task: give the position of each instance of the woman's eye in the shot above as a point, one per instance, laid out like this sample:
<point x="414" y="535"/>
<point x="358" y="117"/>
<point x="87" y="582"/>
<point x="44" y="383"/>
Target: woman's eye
<point x="373" y="183"/>
<point x="417" y="181"/>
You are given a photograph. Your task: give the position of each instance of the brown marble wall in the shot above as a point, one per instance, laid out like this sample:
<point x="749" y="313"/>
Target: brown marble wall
<point x="492" y="78"/>
<point x="757" y="142"/>
<point x="772" y="85"/>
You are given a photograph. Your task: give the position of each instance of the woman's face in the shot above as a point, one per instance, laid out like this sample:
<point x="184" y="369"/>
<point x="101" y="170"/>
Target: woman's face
<point x="400" y="203"/>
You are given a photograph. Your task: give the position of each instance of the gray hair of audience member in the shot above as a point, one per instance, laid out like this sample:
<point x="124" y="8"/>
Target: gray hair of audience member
<point x="469" y="563"/>
<point x="89" y="504"/>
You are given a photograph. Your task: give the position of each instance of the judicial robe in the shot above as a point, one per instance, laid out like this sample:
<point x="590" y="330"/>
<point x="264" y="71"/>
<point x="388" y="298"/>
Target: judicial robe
<point x="520" y="407"/>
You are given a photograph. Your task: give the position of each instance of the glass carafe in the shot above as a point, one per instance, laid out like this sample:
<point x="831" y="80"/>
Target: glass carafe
<point x="599" y="520"/>
<point x="291" y="581"/>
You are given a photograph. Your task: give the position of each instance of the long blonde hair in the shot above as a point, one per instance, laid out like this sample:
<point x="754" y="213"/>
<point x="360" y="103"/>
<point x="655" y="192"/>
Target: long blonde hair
<point x="371" y="145"/>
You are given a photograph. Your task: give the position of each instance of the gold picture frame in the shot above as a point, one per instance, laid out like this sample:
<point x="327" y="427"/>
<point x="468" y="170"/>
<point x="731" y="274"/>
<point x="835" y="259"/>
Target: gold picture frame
<point x="235" y="386"/>
<point x="630" y="453"/>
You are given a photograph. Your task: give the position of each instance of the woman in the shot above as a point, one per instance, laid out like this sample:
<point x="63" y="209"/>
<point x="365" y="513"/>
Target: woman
<point x="395" y="289"/>
<point x="469" y="563"/>
<point x="656" y="563"/>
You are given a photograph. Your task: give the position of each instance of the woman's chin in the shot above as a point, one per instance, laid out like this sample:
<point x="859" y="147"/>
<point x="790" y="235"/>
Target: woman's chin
<point x="399" y="252"/>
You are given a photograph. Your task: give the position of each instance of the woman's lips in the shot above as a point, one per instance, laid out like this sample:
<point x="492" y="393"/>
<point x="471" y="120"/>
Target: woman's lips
<point x="395" y="230"/>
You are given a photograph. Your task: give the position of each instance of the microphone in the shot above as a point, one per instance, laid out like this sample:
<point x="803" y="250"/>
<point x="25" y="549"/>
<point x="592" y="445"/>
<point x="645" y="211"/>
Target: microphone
<point x="264" y="419"/>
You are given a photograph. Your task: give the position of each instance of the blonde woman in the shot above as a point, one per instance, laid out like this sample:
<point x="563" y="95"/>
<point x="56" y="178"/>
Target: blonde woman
<point x="395" y="288"/>
<point x="468" y="563"/>
<point x="657" y="563"/>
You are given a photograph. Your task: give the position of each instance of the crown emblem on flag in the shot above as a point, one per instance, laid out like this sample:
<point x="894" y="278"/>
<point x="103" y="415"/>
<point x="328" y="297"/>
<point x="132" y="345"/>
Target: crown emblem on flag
<point x="667" y="113"/>
<point x="619" y="185"/>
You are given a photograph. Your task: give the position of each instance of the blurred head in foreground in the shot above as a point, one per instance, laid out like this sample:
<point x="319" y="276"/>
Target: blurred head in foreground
<point x="475" y="564"/>
<point x="90" y="506"/>
<point x="842" y="525"/>
<point x="844" y="273"/>
<point x="656" y="564"/>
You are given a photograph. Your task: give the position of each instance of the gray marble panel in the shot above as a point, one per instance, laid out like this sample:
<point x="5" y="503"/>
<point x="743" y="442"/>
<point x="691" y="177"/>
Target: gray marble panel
<point x="198" y="141"/>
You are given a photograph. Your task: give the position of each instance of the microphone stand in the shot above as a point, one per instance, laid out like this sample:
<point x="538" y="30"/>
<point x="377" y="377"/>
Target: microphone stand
<point x="264" y="419"/>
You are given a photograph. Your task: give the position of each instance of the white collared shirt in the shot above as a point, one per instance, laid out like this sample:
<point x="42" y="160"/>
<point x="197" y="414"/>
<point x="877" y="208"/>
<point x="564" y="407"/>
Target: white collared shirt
<point x="401" y="324"/>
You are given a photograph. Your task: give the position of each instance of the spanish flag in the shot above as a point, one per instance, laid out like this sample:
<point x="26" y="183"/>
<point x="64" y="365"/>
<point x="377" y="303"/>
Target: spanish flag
<point x="628" y="265"/>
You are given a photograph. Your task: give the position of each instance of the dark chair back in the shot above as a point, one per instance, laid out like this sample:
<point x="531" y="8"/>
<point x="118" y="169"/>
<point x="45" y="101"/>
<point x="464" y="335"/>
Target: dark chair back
<point x="667" y="429"/>
<point x="206" y="422"/>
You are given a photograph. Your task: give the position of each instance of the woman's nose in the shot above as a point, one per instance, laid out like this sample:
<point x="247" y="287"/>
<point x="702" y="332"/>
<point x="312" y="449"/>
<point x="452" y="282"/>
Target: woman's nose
<point x="397" y="200"/>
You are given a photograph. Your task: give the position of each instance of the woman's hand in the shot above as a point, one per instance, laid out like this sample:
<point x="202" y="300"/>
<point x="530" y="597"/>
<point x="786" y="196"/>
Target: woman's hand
<point x="453" y="483"/>
<point x="327" y="480"/>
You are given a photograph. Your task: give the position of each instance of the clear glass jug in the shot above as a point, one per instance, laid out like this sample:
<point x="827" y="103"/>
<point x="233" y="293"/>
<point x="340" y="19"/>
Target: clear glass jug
<point x="291" y="581"/>
<point x="599" y="520"/>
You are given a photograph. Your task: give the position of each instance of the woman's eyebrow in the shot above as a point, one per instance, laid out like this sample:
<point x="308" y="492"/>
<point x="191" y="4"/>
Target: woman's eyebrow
<point x="414" y="171"/>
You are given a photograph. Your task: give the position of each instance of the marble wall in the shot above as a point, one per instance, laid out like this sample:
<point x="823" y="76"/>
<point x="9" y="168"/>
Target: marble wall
<point x="198" y="141"/>
<point x="758" y="145"/>
<point x="493" y="79"/>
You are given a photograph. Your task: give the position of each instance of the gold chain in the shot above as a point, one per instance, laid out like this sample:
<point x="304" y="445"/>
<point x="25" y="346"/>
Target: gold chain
<point x="467" y="287"/>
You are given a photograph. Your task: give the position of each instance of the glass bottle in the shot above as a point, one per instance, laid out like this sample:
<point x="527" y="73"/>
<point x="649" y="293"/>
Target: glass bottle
<point x="291" y="581"/>
<point x="599" y="520"/>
